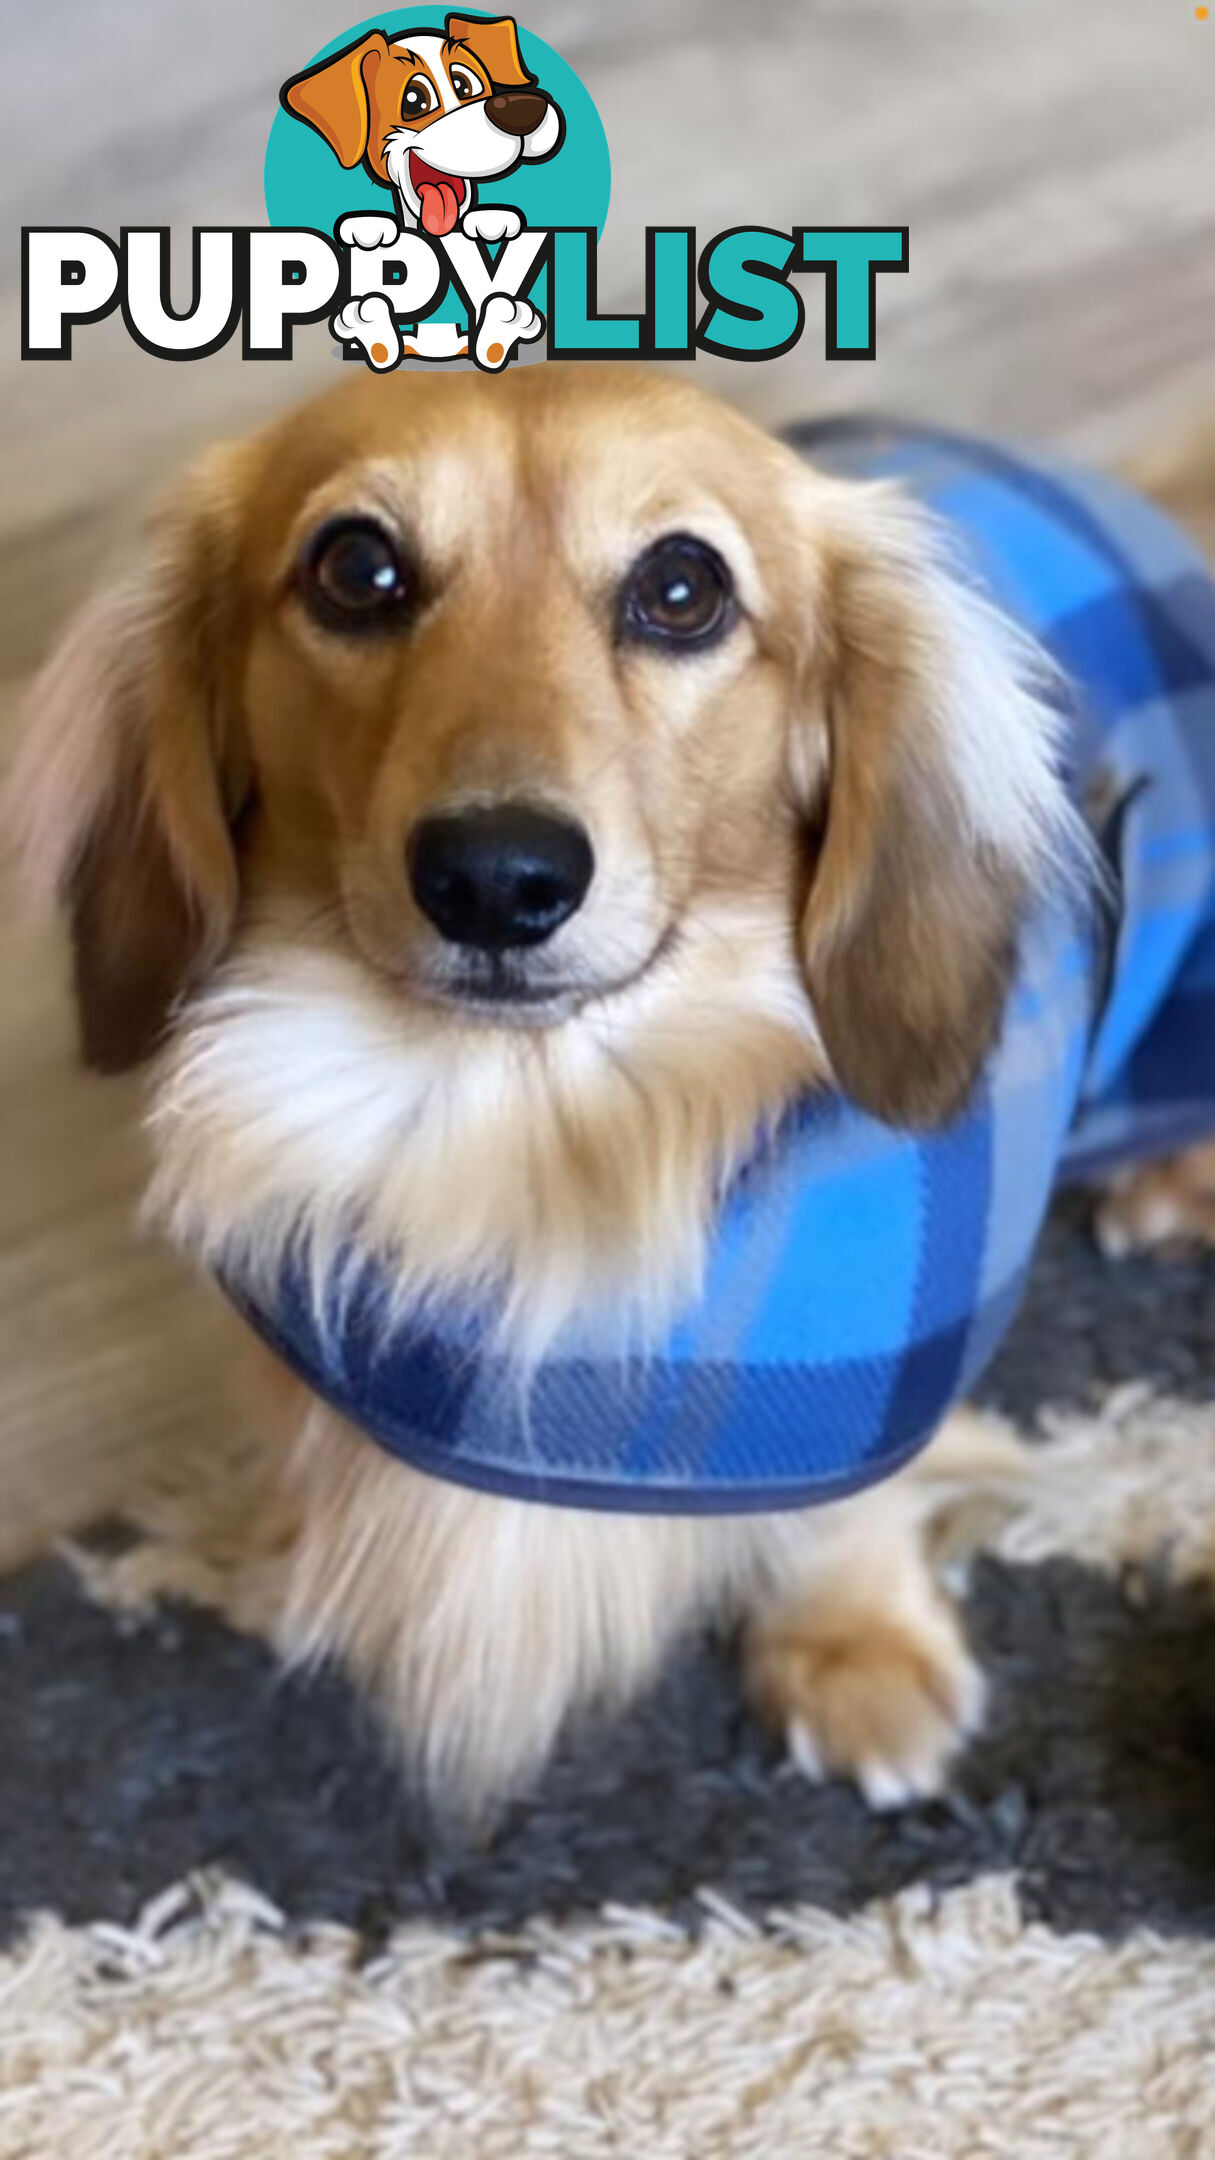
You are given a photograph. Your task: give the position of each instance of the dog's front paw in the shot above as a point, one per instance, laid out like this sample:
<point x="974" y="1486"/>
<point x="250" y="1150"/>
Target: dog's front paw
<point x="491" y="221"/>
<point x="367" y="229"/>
<point x="369" y="324"/>
<point x="504" y="324"/>
<point x="867" y="1696"/>
<point x="1159" y="1205"/>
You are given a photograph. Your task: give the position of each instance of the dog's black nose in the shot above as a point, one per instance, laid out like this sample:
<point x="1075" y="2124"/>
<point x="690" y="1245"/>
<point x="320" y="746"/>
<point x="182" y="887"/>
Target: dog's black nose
<point x="516" y="112"/>
<point x="498" y="877"/>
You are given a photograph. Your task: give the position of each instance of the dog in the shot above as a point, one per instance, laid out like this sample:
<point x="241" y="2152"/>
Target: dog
<point x="492" y="808"/>
<point x="429" y="116"/>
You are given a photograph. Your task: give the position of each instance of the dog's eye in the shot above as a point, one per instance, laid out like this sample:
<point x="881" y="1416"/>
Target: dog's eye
<point x="353" y="577"/>
<point x="463" y="85"/>
<point x="418" y="98"/>
<point x="678" y="593"/>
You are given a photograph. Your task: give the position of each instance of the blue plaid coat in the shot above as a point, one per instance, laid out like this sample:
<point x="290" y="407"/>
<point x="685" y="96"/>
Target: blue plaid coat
<point x="861" y="1278"/>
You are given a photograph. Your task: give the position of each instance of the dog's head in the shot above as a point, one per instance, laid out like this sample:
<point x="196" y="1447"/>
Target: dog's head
<point x="431" y="115"/>
<point x="544" y="701"/>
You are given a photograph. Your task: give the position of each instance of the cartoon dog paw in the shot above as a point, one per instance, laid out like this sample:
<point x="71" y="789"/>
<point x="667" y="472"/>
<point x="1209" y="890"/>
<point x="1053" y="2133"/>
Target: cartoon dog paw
<point x="368" y="323"/>
<point x="504" y="324"/>
<point x="492" y="222"/>
<point x="367" y="229"/>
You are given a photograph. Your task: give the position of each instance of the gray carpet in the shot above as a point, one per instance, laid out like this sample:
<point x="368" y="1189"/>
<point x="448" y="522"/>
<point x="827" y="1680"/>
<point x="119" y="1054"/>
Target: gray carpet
<point x="132" y="1754"/>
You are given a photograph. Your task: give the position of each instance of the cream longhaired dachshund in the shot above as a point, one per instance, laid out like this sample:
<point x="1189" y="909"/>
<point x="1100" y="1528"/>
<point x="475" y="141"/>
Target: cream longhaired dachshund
<point x="472" y="868"/>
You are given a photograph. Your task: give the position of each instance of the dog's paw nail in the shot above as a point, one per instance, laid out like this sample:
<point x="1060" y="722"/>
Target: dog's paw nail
<point x="882" y="1788"/>
<point x="803" y="1751"/>
<point x="491" y="221"/>
<point x="367" y="229"/>
<point x="504" y="324"/>
<point x="970" y="1702"/>
<point x="1113" y="1239"/>
<point x="886" y="1789"/>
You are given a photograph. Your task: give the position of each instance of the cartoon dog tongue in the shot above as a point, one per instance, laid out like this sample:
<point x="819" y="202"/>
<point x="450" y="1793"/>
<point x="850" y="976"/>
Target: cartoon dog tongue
<point x="439" y="195"/>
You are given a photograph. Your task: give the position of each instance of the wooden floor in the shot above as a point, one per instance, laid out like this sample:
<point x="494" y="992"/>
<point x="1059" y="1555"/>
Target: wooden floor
<point x="1056" y="166"/>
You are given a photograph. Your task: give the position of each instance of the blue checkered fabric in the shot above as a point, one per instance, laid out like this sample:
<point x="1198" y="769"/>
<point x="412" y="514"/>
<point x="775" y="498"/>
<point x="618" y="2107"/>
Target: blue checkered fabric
<point x="860" y="1278"/>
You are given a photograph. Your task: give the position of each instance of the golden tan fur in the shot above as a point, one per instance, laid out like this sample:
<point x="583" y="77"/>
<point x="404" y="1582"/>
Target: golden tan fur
<point x="812" y="844"/>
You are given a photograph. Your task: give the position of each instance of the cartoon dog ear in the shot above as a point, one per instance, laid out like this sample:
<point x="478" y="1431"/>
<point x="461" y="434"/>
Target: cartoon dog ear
<point x="131" y="773"/>
<point x="928" y="751"/>
<point x="335" y="97"/>
<point x="496" y="42"/>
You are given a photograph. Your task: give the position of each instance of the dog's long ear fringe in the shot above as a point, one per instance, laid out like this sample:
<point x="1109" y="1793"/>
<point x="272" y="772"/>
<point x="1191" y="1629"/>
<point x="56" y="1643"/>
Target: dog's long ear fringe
<point x="128" y="774"/>
<point x="943" y="815"/>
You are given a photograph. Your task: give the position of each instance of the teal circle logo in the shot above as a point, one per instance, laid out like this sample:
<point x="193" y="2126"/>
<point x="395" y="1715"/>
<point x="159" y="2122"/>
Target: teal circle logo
<point x="318" y="170"/>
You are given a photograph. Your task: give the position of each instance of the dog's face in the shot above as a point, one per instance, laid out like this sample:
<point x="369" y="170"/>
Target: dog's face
<point x="521" y="660"/>
<point x="430" y="115"/>
<point x="528" y="689"/>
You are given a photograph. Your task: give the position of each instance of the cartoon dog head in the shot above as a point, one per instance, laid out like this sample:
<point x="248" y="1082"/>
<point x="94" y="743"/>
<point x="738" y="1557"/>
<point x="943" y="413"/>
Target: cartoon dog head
<point x="430" y="115"/>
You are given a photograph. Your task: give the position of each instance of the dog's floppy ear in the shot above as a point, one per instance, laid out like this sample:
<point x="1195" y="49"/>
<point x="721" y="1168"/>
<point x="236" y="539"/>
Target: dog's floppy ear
<point x="937" y="810"/>
<point x="496" y="42"/>
<point x="335" y="96"/>
<point x="131" y="772"/>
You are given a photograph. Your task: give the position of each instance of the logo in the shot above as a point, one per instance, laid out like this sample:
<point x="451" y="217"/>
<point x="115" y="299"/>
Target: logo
<point x="421" y="143"/>
<point x="436" y="188"/>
